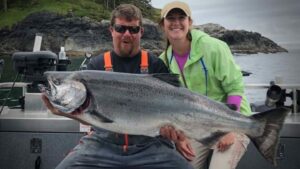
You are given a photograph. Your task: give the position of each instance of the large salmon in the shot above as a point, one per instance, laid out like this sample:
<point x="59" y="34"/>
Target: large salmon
<point x="141" y="104"/>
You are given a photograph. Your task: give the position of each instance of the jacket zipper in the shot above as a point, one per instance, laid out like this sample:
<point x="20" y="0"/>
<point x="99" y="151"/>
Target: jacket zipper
<point x="183" y="78"/>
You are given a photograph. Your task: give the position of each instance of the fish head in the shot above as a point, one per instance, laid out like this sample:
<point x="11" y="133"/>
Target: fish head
<point x="65" y="94"/>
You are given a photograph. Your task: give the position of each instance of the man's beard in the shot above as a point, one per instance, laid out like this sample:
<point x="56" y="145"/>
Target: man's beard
<point x="126" y="52"/>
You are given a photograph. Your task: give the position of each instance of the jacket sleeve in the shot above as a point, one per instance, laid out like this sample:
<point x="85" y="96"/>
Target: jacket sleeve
<point x="227" y="71"/>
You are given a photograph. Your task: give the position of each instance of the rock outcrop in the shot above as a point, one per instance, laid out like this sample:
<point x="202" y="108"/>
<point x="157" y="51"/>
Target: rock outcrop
<point x="241" y="41"/>
<point x="81" y="34"/>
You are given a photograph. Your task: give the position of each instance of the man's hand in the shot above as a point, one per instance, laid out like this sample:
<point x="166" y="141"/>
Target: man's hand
<point x="50" y="106"/>
<point x="225" y="142"/>
<point x="184" y="147"/>
<point x="182" y="143"/>
<point x="59" y="113"/>
<point x="171" y="133"/>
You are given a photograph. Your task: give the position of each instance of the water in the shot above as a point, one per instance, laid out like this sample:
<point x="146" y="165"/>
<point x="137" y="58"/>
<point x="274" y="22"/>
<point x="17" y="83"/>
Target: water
<point x="265" y="67"/>
<point x="268" y="67"/>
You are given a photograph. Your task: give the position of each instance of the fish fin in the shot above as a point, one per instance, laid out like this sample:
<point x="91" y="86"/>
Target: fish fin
<point x="267" y="144"/>
<point x="172" y="79"/>
<point x="100" y="117"/>
<point x="212" y="139"/>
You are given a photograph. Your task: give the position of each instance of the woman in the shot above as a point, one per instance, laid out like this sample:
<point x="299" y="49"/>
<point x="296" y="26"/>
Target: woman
<point x="205" y="66"/>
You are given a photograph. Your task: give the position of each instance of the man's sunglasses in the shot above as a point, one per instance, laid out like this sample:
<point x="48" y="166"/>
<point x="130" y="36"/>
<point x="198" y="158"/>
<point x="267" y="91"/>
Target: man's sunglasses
<point x="123" y="28"/>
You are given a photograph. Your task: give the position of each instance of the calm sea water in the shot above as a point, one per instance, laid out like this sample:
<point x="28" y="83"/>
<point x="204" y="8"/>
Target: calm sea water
<point x="264" y="68"/>
<point x="268" y="67"/>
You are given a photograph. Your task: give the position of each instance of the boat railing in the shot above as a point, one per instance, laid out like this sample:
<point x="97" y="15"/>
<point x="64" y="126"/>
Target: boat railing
<point x="289" y="90"/>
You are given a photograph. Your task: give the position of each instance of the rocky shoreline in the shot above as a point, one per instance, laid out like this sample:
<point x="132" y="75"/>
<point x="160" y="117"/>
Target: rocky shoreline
<point x="82" y="34"/>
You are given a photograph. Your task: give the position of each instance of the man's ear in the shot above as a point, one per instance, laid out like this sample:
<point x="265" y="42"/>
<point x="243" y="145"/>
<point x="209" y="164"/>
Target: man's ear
<point x="142" y="30"/>
<point x="111" y="29"/>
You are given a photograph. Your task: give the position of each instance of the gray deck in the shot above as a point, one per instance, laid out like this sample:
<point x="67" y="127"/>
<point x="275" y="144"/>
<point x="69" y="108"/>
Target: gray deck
<point x="44" y="121"/>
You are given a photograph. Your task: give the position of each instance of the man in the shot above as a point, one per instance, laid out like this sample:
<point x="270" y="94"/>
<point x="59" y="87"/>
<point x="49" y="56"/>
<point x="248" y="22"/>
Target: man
<point x="105" y="149"/>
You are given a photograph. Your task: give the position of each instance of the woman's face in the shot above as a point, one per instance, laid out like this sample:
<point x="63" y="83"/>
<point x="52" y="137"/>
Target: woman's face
<point x="176" y="25"/>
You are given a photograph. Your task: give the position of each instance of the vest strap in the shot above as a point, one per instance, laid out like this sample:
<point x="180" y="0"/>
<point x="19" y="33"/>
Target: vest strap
<point x="107" y="62"/>
<point x="125" y="146"/>
<point x="144" y="62"/>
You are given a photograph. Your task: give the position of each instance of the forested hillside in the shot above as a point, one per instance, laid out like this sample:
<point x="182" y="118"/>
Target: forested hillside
<point x="13" y="11"/>
<point x="81" y="25"/>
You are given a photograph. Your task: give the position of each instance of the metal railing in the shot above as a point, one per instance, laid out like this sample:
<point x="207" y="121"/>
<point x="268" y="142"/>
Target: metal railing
<point x="294" y="89"/>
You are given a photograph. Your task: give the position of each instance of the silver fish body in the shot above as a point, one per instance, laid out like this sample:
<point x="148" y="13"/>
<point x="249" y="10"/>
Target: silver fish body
<point x="142" y="104"/>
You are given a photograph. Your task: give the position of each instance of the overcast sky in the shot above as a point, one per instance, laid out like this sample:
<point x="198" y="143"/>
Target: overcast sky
<point x="278" y="20"/>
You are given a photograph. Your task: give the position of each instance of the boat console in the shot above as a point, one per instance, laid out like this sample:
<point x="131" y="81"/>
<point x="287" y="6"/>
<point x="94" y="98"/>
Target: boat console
<point x="32" y="65"/>
<point x="31" y="136"/>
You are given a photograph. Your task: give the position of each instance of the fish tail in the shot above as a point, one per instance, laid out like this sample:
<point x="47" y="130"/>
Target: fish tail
<point x="267" y="143"/>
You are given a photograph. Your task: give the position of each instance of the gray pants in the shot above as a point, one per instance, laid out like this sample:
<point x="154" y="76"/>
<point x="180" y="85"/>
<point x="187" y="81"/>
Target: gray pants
<point x="93" y="152"/>
<point x="220" y="160"/>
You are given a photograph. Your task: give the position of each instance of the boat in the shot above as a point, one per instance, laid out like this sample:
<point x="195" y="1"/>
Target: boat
<point x="32" y="137"/>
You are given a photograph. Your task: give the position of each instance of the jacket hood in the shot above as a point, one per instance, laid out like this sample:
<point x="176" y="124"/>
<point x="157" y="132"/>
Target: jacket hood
<point x="199" y="39"/>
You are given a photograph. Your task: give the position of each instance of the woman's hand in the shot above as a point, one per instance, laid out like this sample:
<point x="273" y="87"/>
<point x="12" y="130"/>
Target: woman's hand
<point x="226" y="141"/>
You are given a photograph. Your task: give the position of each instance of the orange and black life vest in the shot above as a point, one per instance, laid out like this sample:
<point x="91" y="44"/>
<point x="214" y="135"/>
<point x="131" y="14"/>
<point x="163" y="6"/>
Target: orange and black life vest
<point x="143" y="66"/>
